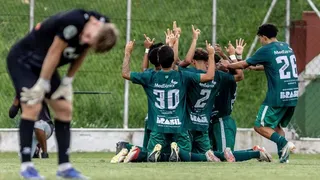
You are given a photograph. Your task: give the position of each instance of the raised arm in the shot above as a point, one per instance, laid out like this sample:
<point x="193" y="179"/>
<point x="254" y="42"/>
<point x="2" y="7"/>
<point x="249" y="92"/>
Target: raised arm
<point x="147" y="44"/>
<point x="190" y="54"/>
<point x="239" y="75"/>
<point x="126" y="60"/>
<point x="176" y="32"/>
<point x="211" y="65"/>
<point x="219" y="51"/>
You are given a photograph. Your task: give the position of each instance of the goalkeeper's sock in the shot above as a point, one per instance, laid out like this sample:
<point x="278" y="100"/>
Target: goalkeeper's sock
<point x="245" y="155"/>
<point x="62" y="129"/>
<point x="279" y="140"/>
<point x="184" y="155"/>
<point x="198" y="157"/>
<point x="25" y="133"/>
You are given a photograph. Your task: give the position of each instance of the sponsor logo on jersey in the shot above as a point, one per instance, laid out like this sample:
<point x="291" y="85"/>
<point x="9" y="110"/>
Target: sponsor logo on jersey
<point x="69" y="53"/>
<point x="171" y="85"/>
<point x="198" y="119"/>
<point x="208" y="85"/>
<point x="282" y="52"/>
<point x="288" y="94"/>
<point x="166" y="121"/>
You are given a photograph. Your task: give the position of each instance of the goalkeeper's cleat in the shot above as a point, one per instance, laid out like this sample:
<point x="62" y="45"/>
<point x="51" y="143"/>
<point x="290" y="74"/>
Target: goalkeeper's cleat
<point x="228" y="155"/>
<point x="211" y="157"/>
<point x="155" y="154"/>
<point x="264" y="155"/>
<point x="289" y="147"/>
<point x="31" y="174"/>
<point x="71" y="174"/>
<point x="132" y="155"/>
<point x="44" y="155"/>
<point x="120" y="145"/>
<point x="120" y="156"/>
<point x="174" y="156"/>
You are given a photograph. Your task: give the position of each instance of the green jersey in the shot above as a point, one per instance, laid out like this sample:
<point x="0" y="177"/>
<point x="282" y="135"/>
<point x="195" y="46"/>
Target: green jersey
<point x="281" y="70"/>
<point x="226" y="96"/>
<point x="166" y="92"/>
<point x="200" y="99"/>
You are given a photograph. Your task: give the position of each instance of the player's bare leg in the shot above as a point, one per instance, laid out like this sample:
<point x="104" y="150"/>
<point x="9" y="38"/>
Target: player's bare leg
<point x="42" y="139"/>
<point x="28" y="117"/>
<point x="63" y="115"/>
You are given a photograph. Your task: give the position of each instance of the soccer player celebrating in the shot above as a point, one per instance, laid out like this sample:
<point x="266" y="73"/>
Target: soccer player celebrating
<point x="166" y="90"/>
<point x="32" y="63"/>
<point x="279" y="64"/>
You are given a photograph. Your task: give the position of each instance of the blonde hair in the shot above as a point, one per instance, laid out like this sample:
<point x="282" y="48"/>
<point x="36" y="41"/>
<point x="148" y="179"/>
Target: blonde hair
<point x="107" y="38"/>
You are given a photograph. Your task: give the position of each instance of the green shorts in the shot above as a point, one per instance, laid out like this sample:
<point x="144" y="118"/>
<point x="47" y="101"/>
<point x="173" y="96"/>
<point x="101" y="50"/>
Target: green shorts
<point x="165" y="140"/>
<point x="223" y="134"/>
<point x="200" y="141"/>
<point x="274" y="116"/>
<point x="146" y="135"/>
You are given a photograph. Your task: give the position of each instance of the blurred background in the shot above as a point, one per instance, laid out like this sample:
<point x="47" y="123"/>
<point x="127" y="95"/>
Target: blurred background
<point x="219" y="22"/>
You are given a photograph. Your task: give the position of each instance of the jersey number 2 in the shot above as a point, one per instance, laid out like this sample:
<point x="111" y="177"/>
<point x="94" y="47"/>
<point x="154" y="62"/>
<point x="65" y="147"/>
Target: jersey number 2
<point x="202" y="102"/>
<point x="172" y="98"/>
<point x="284" y="73"/>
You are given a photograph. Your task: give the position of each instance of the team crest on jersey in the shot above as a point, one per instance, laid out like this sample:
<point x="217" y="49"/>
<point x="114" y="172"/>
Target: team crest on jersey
<point x="69" y="32"/>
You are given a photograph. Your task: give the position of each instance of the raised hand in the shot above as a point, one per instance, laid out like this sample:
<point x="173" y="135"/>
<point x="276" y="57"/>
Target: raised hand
<point x="129" y="47"/>
<point x="209" y="48"/>
<point x="195" y="32"/>
<point x="176" y="30"/>
<point x="148" y="42"/>
<point x="230" y="49"/>
<point x="240" y="46"/>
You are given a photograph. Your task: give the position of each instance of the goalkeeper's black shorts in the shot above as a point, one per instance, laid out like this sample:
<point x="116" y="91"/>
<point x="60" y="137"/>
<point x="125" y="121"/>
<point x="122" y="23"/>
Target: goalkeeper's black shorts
<point x="23" y="74"/>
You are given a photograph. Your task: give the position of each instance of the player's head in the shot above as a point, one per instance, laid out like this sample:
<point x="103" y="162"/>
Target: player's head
<point x="165" y="56"/>
<point x="153" y="54"/>
<point x="200" y="58"/>
<point x="99" y="35"/>
<point x="267" y="32"/>
<point x="220" y="67"/>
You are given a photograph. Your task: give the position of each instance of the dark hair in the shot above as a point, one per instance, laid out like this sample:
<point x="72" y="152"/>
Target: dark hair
<point x="268" y="30"/>
<point x="153" y="53"/>
<point x="216" y="58"/>
<point x="165" y="56"/>
<point x="200" y="55"/>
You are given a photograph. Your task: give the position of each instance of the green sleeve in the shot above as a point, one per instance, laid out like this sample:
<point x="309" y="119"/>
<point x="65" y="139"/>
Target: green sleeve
<point x="259" y="57"/>
<point x="191" y="76"/>
<point x="140" y="78"/>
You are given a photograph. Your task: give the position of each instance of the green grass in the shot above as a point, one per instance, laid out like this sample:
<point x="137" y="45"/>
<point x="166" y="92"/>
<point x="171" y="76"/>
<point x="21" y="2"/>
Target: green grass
<point x="235" y="18"/>
<point x="97" y="166"/>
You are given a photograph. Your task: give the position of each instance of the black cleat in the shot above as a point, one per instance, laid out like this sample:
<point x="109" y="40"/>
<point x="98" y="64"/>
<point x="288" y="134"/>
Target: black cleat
<point x="120" y="145"/>
<point x="44" y="155"/>
<point x="155" y="154"/>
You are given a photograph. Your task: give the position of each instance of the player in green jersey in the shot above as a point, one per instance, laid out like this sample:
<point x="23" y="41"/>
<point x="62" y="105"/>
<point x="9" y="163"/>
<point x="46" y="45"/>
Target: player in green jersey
<point x="280" y="68"/>
<point x="166" y="91"/>
<point x="222" y="127"/>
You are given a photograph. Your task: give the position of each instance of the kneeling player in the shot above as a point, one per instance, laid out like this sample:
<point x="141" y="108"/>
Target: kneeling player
<point x="43" y="129"/>
<point x="32" y="63"/>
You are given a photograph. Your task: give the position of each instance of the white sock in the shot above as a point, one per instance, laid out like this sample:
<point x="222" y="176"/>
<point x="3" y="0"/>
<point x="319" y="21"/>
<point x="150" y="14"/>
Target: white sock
<point x="25" y="165"/>
<point x="64" y="166"/>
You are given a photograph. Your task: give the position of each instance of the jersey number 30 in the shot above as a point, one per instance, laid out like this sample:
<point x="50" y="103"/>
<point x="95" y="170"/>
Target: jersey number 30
<point x="284" y="73"/>
<point x="172" y="97"/>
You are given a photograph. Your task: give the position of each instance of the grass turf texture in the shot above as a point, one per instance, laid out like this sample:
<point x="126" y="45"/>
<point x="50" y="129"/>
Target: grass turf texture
<point x="97" y="166"/>
<point x="235" y="18"/>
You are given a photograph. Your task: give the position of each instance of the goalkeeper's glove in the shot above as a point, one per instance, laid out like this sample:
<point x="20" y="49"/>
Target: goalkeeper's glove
<point x="36" y="93"/>
<point x="64" y="90"/>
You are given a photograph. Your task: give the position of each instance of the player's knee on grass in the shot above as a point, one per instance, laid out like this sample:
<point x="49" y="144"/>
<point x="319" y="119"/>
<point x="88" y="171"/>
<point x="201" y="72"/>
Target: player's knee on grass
<point x="30" y="112"/>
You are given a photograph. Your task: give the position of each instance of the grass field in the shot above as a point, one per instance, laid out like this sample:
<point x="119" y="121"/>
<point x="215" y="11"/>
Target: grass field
<point x="97" y="166"/>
